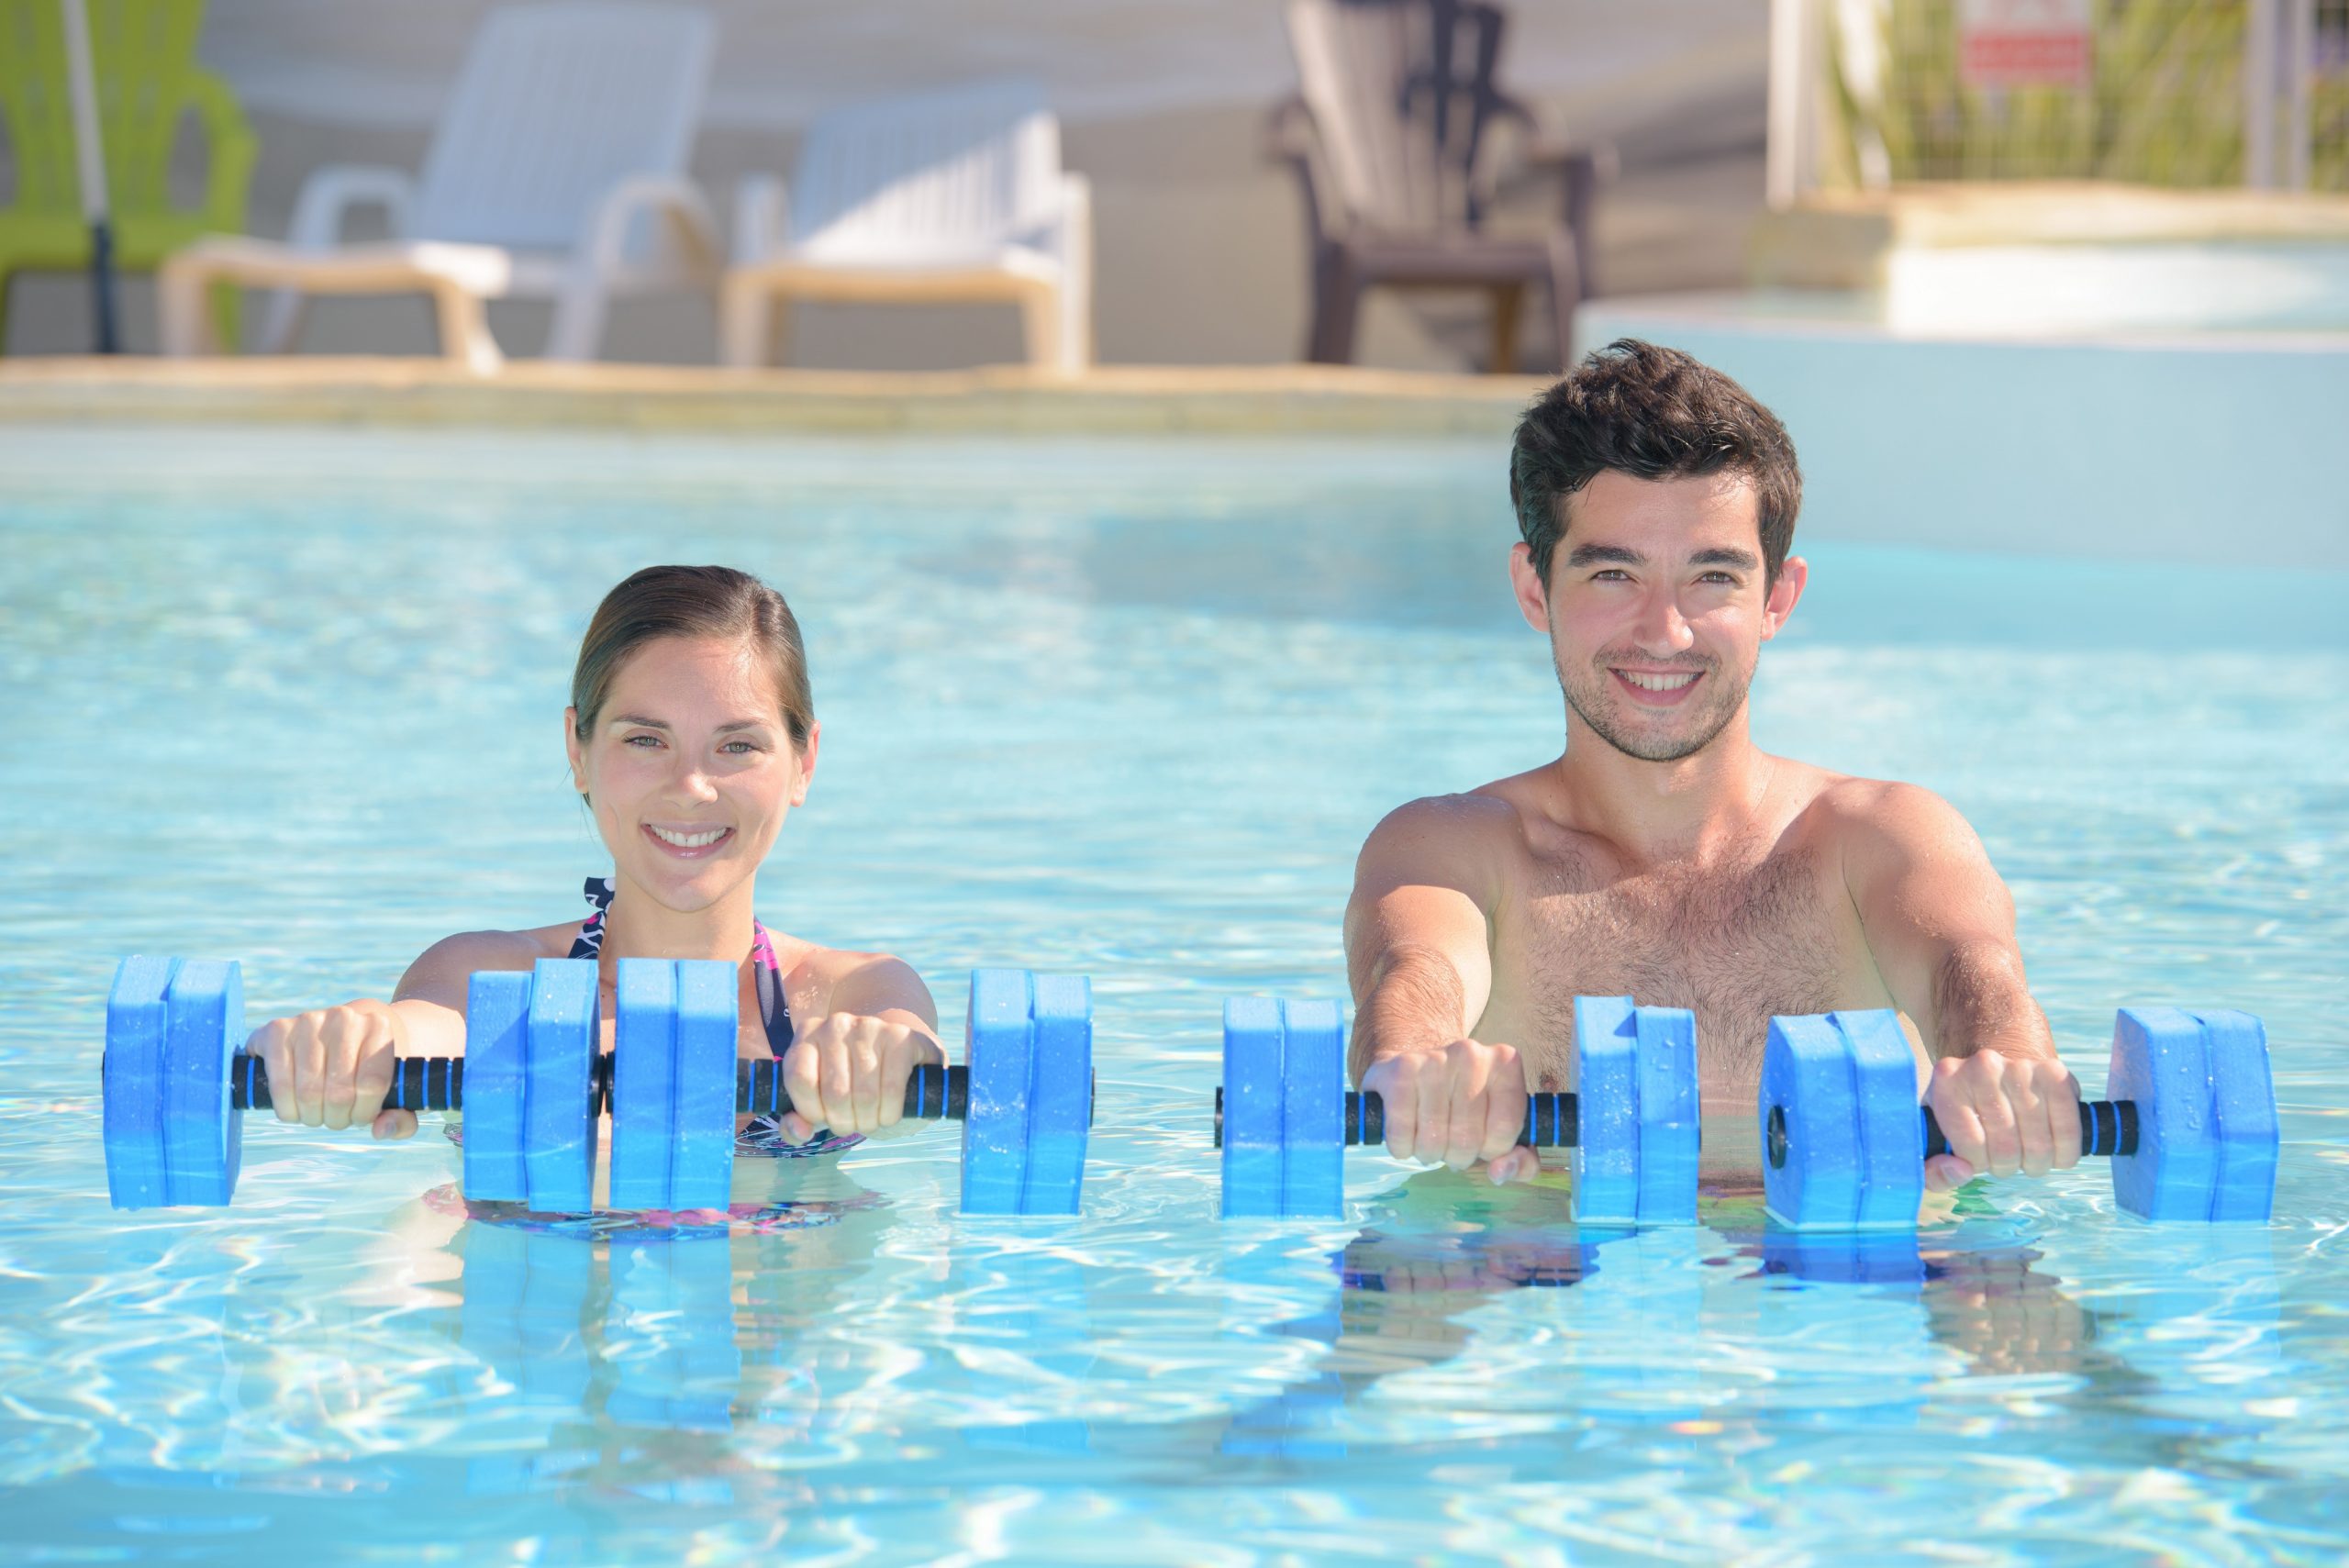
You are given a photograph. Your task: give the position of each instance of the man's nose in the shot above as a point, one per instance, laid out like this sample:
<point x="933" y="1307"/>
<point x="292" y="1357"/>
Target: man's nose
<point x="1662" y="629"/>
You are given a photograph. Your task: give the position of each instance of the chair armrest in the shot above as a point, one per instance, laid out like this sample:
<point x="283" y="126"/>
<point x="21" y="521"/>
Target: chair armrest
<point x="230" y="150"/>
<point x="1546" y="144"/>
<point x="1289" y="132"/>
<point x="331" y="192"/>
<point x="670" y="197"/>
<point x="761" y="218"/>
<point x="1292" y="137"/>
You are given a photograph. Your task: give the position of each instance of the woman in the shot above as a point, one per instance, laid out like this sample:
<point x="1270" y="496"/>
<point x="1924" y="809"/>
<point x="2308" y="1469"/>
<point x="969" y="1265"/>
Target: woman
<point x="692" y="735"/>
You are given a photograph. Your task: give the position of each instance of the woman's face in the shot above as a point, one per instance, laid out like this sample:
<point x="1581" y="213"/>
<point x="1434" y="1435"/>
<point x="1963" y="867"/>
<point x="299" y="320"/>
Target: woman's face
<point x="689" y="768"/>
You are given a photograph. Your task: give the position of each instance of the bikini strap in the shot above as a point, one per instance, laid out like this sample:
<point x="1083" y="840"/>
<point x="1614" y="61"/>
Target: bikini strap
<point x="775" y="1010"/>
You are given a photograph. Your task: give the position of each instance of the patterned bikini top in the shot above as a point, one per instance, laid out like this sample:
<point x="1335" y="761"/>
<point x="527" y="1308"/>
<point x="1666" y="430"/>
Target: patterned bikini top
<point x="764" y="1135"/>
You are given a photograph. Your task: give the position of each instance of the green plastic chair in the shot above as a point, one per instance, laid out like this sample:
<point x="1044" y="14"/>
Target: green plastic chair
<point x="144" y="54"/>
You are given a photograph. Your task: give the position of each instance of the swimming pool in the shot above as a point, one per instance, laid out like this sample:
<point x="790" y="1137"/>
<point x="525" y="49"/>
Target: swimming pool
<point x="1125" y="710"/>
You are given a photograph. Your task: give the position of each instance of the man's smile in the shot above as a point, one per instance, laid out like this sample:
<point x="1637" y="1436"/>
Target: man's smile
<point x="1656" y="688"/>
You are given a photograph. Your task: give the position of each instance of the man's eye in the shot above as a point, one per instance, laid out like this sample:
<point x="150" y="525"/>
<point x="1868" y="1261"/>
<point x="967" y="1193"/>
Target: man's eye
<point x="1610" y="574"/>
<point x="1718" y="577"/>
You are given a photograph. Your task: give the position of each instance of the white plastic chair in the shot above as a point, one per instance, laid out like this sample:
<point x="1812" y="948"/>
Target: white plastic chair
<point x="557" y="170"/>
<point x="947" y="196"/>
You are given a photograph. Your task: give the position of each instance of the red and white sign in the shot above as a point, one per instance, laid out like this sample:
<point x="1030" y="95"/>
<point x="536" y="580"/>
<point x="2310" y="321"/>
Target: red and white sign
<point x="2025" y="43"/>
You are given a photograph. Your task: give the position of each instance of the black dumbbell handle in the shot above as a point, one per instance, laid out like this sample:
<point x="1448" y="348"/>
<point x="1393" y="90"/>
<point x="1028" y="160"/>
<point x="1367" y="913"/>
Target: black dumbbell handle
<point x="2107" y="1127"/>
<point x="1551" y="1120"/>
<point x="438" y="1084"/>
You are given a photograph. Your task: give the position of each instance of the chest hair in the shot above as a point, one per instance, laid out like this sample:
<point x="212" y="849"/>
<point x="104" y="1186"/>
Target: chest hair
<point x="1735" y="943"/>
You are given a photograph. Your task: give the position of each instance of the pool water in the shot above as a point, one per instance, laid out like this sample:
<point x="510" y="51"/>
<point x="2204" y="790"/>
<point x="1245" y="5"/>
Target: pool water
<point x="1125" y="711"/>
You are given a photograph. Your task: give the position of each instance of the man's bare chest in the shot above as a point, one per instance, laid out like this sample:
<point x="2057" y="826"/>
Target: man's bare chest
<point x="1736" y="945"/>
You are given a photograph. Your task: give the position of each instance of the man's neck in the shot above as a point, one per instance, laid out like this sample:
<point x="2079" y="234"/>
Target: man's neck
<point x="637" y="926"/>
<point x="1650" y="812"/>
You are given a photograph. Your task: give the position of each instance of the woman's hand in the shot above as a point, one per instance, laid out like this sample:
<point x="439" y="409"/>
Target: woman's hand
<point x="333" y="1067"/>
<point x="848" y="1073"/>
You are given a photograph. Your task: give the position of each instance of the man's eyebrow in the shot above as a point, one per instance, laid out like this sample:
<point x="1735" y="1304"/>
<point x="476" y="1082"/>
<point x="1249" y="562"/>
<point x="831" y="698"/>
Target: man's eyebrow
<point x="1620" y="555"/>
<point x="1723" y="555"/>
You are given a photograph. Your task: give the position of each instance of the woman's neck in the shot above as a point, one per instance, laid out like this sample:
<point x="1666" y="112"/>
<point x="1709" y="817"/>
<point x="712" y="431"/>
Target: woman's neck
<point x="637" y="925"/>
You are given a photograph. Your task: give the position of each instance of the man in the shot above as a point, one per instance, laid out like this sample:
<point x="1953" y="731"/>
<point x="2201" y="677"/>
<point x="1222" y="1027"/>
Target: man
<point x="1663" y="855"/>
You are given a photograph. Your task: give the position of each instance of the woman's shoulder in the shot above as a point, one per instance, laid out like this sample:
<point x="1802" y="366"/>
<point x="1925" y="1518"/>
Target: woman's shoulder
<point x="453" y="958"/>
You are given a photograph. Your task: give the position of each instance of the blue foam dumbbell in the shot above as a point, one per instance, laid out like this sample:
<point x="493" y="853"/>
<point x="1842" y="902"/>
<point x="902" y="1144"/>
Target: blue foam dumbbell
<point x="1283" y="1130"/>
<point x="1030" y="1092"/>
<point x="1632" y="1120"/>
<point x="528" y="1085"/>
<point x="1637" y="1125"/>
<point x="673" y="1084"/>
<point x="172" y="1135"/>
<point x="533" y="1086"/>
<point x="2190" y="1126"/>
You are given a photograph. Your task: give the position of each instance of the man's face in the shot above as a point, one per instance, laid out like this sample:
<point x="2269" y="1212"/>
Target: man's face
<point x="1656" y="610"/>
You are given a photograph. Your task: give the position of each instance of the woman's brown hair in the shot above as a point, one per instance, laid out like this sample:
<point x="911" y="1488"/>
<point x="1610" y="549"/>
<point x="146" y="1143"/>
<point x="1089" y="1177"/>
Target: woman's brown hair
<point x="693" y="601"/>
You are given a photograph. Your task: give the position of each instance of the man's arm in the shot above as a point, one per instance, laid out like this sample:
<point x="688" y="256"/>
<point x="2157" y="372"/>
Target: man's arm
<point x="1418" y="955"/>
<point x="1941" y="927"/>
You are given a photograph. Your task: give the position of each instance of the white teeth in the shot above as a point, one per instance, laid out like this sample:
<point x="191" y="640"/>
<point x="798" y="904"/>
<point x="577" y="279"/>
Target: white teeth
<point x="689" y="840"/>
<point x="1657" y="682"/>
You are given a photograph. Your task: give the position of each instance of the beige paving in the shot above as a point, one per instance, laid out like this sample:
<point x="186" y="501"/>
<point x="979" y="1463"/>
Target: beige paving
<point x="1138" y="400"/>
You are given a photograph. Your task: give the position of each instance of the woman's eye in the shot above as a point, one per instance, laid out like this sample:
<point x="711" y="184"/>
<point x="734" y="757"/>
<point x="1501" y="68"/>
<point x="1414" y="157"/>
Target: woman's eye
<point x="740" y="748"/>
<point x="642" y="741"/>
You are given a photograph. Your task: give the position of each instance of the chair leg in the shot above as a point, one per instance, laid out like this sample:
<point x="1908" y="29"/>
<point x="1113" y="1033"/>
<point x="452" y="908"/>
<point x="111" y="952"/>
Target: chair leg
<point x="579" y="313"/>
<point x="181" y="283"/>
<point x="1039" y="322"/>
<point x="1337" y="300"/>
<point x="1076" y="323"/>
<point x="465" y="336"/>
<point x="1566" y="291"/>
<point x="750" y="323"/>
<point x="282" y="327"/>
<point x="228" y="315"/>
<point x="1509" y="302"/>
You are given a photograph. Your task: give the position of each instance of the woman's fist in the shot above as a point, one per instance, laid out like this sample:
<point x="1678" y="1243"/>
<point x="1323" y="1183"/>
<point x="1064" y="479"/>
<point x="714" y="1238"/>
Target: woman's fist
<point x="848" y="1073"/>
<point x="333" y="1067"/>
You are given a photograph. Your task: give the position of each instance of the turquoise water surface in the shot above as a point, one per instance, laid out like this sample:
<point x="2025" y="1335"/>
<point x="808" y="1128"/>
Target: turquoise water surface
<point x="1125" y="711"/>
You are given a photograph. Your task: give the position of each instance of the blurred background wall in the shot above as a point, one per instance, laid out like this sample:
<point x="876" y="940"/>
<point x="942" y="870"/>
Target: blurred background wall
<point x="1199" y="240"/>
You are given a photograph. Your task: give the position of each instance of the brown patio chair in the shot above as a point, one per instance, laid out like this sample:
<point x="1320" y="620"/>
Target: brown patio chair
<point x="1389" y="137"/>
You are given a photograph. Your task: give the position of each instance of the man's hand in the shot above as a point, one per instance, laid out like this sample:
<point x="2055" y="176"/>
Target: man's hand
<point x="1460" y="1104"/>
<point x="848" y="1073"/>
<point x="2002" y="1112"/>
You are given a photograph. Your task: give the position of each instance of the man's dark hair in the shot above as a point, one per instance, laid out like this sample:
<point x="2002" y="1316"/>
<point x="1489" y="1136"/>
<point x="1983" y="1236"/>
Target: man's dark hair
<point x="1653" y="413"/>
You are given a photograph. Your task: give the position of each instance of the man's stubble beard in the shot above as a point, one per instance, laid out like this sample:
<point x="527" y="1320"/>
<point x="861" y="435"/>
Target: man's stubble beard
<point x="1593" y="703"/>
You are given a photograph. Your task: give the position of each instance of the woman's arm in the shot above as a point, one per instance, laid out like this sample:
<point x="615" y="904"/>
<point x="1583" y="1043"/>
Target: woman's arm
<point x="332" y="1066"/>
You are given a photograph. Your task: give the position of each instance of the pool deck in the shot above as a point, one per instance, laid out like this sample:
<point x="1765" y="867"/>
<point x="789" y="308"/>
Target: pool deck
<point x="1274" y="400"/>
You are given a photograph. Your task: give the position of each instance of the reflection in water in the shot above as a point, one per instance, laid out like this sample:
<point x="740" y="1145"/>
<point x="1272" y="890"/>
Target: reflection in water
<point x="1650" y="1310"/>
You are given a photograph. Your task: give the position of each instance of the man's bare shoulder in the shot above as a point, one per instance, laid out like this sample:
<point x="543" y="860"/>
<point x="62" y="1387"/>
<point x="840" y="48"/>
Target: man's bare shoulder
<point x="1471" y="842"/>
<point x="1870" y="816"/>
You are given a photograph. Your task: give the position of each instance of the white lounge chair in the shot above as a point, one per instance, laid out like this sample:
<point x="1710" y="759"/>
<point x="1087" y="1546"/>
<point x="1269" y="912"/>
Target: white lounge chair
<point x="557" y="170"/>
<point x="949" y="196"/>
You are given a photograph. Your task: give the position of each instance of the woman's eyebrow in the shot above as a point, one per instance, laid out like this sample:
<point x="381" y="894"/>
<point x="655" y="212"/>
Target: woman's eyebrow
<point x="637" y="719"/>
